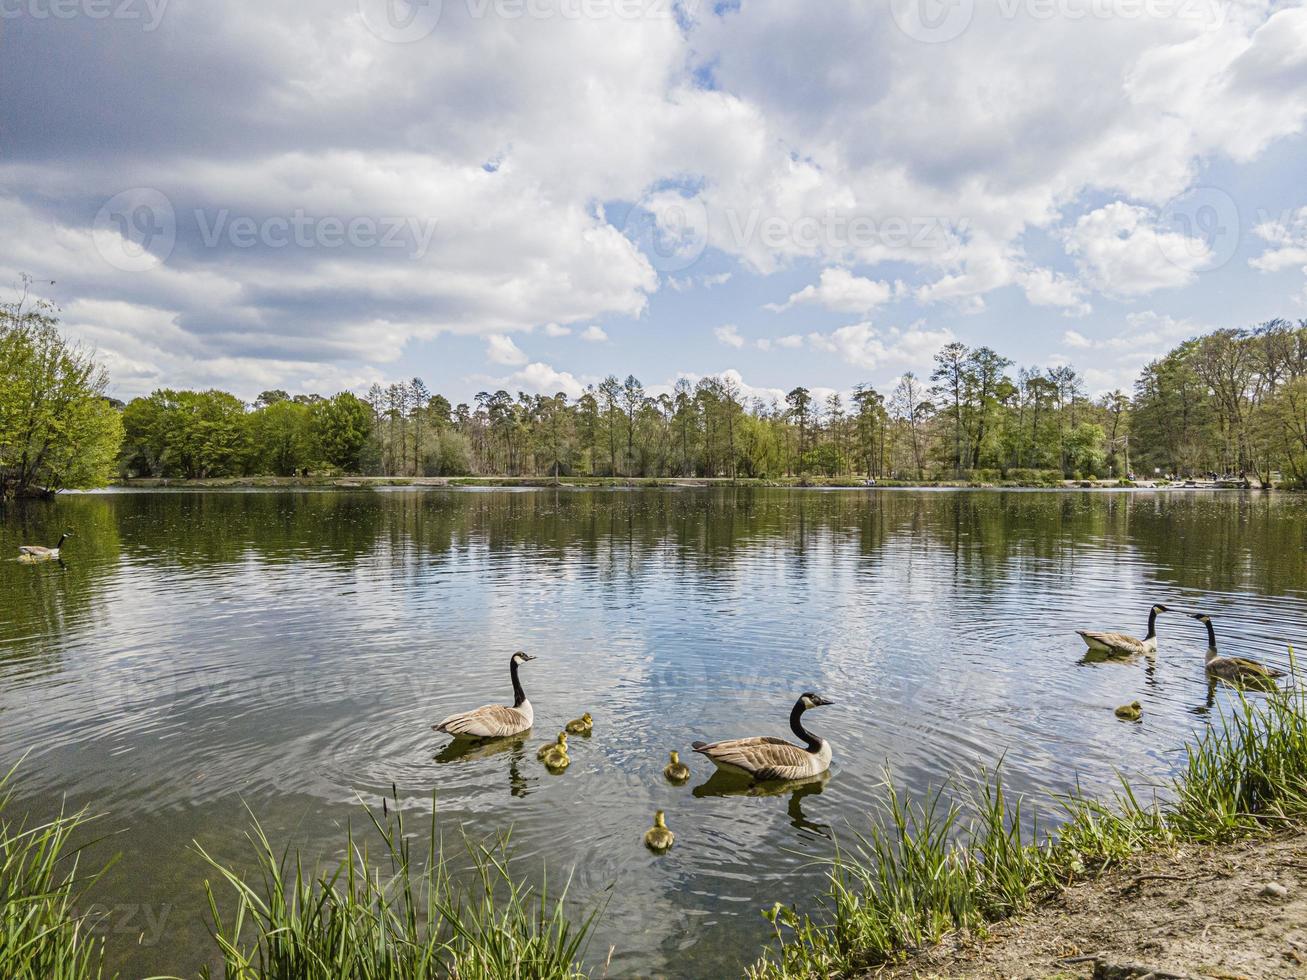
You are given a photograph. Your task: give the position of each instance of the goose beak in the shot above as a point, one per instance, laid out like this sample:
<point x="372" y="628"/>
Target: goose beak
<point x="530" y="657"/>
<point x="819" y="700"/>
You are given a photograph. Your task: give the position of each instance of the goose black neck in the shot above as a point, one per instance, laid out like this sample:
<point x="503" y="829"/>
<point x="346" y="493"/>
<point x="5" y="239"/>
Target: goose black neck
<point x="518" y="694"/>
<point x="60" y="543"/>
<point x="1152" y="624"/>
<point x="796" y="726"/>
<point x="1211" y="634"/>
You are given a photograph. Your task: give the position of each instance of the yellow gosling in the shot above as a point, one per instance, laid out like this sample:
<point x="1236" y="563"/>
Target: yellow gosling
<point x="676" y="771"/>
<point x="658" y="838"/>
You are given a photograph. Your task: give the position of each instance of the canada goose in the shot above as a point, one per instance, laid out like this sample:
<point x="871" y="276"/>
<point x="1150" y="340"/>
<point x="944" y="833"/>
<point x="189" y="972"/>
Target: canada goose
<point x="1238" y="670"/>
<point x="581" y="726"/>
<point x="1130" y="712"/>
<point x="658" y="838"/>
<point x="676" y="771"/>
<point x="494" y="720"/>
<point x="41" y="551"/>
<point x="556" y="758"/>
<point x="774" y="758"/>
<point x="1122" y="644"/>
<point x="561" y="743"/>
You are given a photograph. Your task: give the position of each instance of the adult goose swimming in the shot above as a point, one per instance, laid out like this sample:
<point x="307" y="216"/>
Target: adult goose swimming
<point x="1123" y="644"/>
<point x="494" y="720"/>
<point x="765" y="757"/>
<point x="1239" y="670"/>
<point x="41" y="551"/>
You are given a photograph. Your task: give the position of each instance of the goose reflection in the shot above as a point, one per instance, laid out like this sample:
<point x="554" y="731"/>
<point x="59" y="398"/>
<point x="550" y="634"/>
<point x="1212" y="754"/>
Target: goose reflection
<point x="725" y="783"/>
<point x="471" y="750"/>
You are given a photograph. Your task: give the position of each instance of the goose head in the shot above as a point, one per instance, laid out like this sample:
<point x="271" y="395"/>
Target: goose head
<point x="810" y="700"/>
<point x="1159" y="608"/>
<point x="660" y="820"/>
<point x="676" y="758"/>
<point x="521" y="658"/>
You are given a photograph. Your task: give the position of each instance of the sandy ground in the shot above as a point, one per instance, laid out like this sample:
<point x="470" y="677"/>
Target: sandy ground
<point x="1239" y="911"/>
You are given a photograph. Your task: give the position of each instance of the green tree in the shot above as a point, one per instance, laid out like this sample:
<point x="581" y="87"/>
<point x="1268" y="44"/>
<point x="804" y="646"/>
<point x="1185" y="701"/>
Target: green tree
<point x="57" y="428"/>
<point x="341" y="427"/>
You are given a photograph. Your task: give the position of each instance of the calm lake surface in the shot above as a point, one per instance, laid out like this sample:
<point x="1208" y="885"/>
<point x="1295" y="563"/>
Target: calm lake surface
<point x="197" y="653"/>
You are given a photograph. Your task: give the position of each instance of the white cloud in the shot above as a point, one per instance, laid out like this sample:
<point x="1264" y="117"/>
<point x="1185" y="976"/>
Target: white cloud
<point x="841" y="291"/>
<point x="1122" y="251"/>
<point x="594" y="334"/>
<point x="502" y="350"/>
<point x="729" y="334"/>
<point x="554" y="330"/>
<point x="542" y="379"/>
<point x="1073" y="339"/>
<point x="1043" y="287"/>
<point x="1286" y="238"/>
<point x="684" y="283"/>
<point x="864" y="346"/>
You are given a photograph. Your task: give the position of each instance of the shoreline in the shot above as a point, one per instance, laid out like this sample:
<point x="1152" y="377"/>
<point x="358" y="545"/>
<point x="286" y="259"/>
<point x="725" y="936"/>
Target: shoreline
<point x="633" y="483"/>
<point x="1237" y="910"/>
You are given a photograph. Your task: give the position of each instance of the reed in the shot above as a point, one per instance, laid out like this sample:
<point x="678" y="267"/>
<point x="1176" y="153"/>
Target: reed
<point x="42" y="936"/>
<point x="923" y="873"/>
<point x="391" y="916"/>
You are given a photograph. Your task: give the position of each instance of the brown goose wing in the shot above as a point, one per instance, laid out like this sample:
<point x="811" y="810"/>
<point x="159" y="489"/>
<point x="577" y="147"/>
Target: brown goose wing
<point x="1113" y="641"/>
<point x="488" y="721"/>
<point x="765" y="757"/>
<point x="1241" y="665"/>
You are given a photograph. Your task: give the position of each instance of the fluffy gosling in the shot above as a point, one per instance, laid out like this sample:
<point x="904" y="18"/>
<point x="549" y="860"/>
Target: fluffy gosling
<point x="581" y="726"/>
<point x="658" y="838"/>
<point x="676" y="771"/>
<point x="548" y="747"/>
<point x="1130" y="712"/>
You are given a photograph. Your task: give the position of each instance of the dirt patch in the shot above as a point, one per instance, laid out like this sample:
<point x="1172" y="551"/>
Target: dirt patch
<point x="1237" y="911"/>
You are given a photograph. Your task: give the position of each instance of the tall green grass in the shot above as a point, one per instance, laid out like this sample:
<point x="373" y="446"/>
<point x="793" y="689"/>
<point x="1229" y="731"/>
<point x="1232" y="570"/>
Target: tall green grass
<point x="391" y="917"/>
<point x="42" y="936"/>
<point x="923" y="872"/>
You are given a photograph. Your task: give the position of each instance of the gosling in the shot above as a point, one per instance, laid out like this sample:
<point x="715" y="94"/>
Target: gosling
<point x="658" y="838"/>
<point x="548" y="747"/>
<point x="581" y="726"/>
<point x="676" y="771"/>
<point x="557" y="759"/>
<point x="1130" y="712"/>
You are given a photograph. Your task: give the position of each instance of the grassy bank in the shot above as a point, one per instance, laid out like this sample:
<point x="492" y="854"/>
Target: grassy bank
<point x="390" y="915"/>
<point x="42" y="937"/>
<point x="924" y="872"/>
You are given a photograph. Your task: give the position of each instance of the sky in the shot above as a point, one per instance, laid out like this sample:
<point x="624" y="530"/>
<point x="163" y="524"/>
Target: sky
<point x="533" y="194"/>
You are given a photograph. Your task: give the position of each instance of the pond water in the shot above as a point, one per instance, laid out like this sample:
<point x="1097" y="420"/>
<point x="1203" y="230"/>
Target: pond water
<point x="198" y="653"/>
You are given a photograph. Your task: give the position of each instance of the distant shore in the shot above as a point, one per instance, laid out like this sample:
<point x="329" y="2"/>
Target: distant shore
<point x="588" y="482"/>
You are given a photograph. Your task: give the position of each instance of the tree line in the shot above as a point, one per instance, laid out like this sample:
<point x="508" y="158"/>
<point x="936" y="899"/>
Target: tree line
<point x="1230" y="402"/>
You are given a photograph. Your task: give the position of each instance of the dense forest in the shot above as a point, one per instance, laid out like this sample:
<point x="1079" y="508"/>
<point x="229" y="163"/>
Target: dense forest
<point x="1231" y="402"/>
